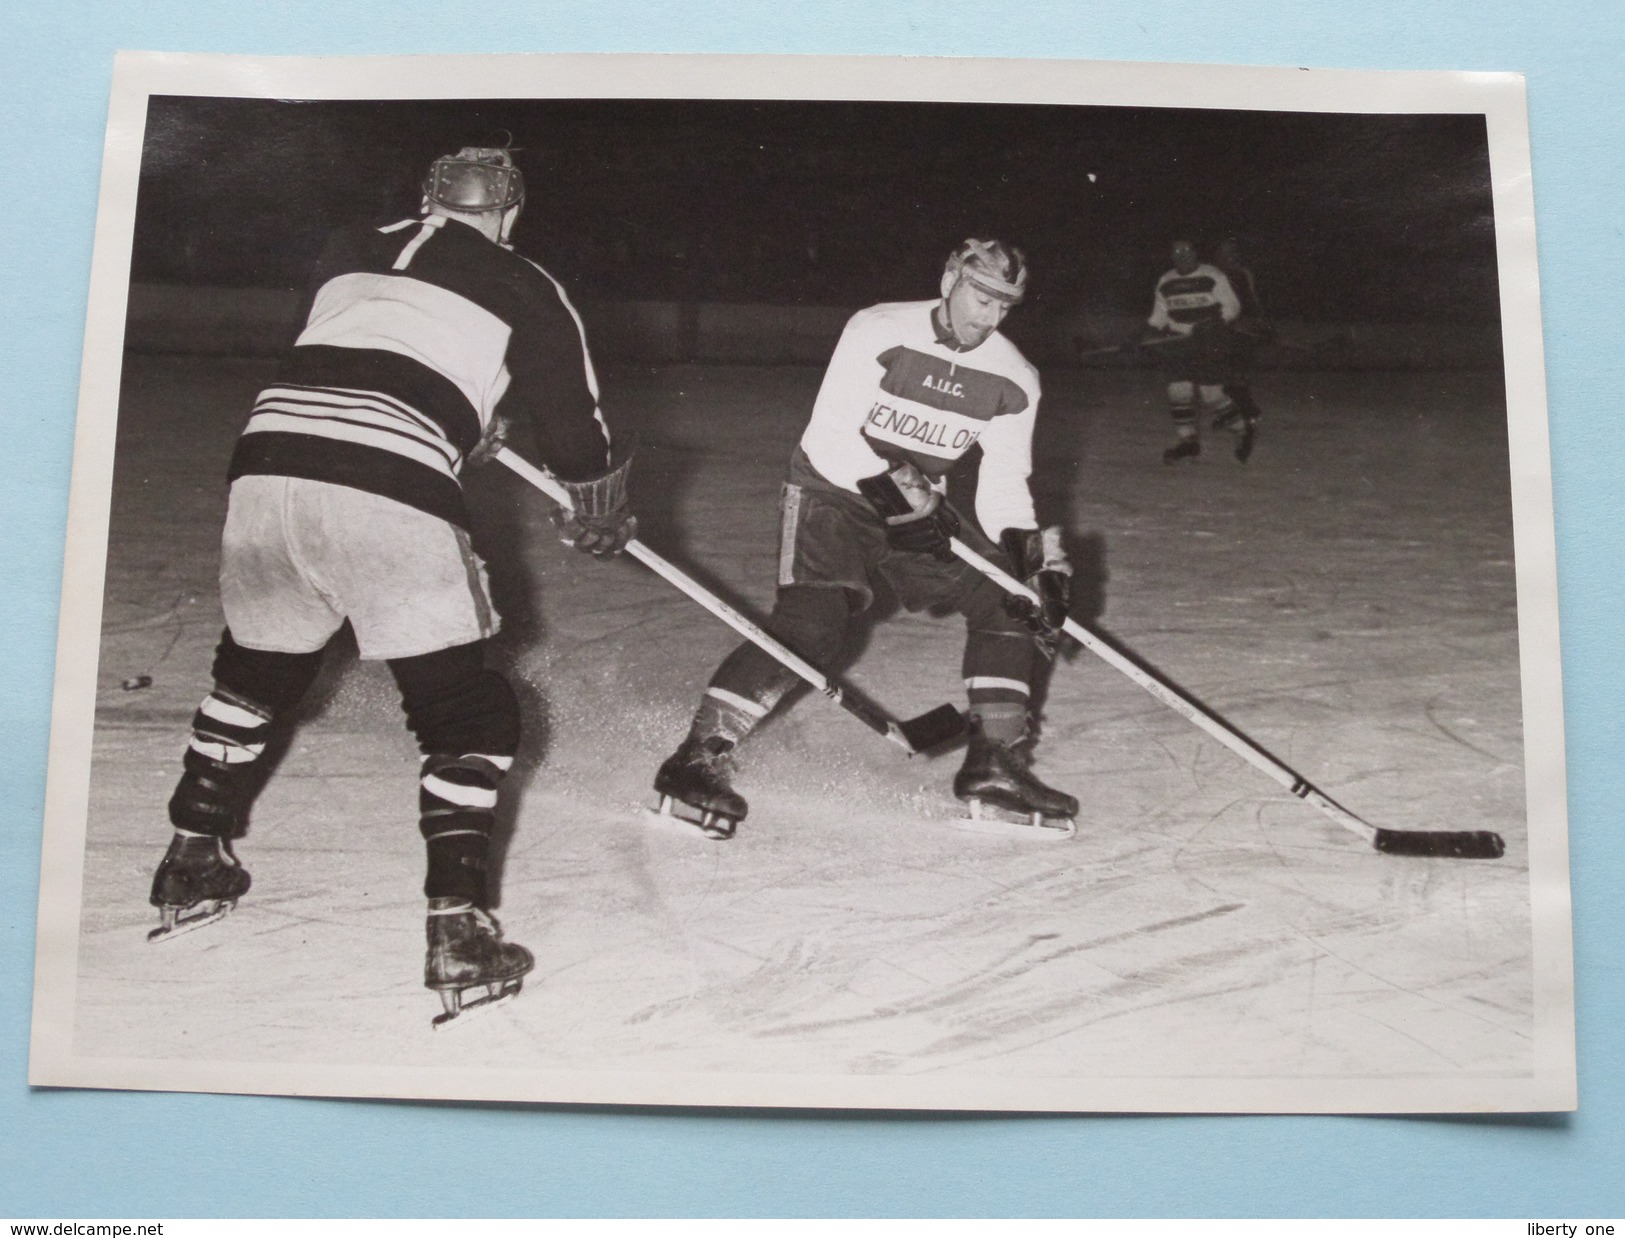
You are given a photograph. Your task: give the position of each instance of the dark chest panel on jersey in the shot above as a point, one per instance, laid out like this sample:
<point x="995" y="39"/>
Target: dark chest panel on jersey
<point x="940" y="384"/>
<point x="1191" y="298"/>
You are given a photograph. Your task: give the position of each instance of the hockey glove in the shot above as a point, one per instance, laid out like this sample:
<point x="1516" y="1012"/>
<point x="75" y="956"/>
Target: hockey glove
<point x="599" y="520"/>
<point x="1040" y="560"/>
<point x="916" y="517"/>
<point x="492" y="441"/>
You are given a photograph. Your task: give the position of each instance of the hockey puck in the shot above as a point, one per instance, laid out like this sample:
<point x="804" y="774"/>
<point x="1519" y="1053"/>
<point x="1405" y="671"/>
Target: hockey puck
<point x="136" y="682"/>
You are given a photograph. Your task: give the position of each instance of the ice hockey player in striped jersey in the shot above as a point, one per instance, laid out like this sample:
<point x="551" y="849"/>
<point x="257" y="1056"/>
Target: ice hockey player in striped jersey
<point x="1195" y="302"/>
<point x="910" y="388"/>
<point x="424" y="343"/>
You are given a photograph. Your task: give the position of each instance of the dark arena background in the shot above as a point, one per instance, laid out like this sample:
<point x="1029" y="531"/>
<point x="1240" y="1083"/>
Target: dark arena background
<point x="1346" y="598"/>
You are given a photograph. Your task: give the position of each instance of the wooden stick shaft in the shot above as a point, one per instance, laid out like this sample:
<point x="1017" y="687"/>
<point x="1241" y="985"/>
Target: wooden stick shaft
<point x="881" y="725"/>
<point x="1179" y="703"/>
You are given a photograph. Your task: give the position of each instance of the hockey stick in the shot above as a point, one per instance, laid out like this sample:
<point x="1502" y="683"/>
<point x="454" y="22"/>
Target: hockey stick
<point x="1460" y="844"/>
<point x="1108" y="350"/>
<point x="931" y="729"/>
<point x="1126" y="350"/>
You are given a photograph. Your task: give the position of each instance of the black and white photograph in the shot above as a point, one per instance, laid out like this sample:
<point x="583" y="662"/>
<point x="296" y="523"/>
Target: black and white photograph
<point x="928" y="585"/>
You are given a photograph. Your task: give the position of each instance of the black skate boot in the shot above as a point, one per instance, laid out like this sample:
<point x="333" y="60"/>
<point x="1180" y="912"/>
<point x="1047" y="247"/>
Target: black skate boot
<point x="1185" y="449"/>
<point x="1246" y="437"/>
<point x="1000" y="788"/>
<point x="695" y="777"/>
<point x="1241" y="419"/>
<point x="198" y="881"/>
<point x="466" y="951"/>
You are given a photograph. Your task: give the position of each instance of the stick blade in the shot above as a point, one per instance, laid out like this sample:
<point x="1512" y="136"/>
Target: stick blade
<point x="933" y="729"/>
<point x="1450" y="844"/>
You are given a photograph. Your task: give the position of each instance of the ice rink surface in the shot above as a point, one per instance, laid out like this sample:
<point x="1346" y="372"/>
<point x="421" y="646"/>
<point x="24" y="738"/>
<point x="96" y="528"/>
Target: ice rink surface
<point x="1346" y="599"/>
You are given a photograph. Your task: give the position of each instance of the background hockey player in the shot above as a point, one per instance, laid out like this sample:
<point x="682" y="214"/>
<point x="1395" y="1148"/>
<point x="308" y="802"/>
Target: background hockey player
<point x="910" y="388"/>
<point x="1249" y="330"/>
<point x="423" y="340"/>
<point x="1195" y="302"/>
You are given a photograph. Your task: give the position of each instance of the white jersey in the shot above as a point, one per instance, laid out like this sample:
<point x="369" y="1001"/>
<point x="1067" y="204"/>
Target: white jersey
<point x="1203" y="295"/>
<point x="897" y="389"/>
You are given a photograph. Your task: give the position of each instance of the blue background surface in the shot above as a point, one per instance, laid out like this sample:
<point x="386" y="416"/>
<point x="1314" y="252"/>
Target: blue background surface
<point x="95" y="1154"/>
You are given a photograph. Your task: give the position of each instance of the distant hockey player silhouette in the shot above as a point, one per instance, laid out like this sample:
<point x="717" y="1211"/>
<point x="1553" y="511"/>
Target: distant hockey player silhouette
<point x="1195" y="302"/>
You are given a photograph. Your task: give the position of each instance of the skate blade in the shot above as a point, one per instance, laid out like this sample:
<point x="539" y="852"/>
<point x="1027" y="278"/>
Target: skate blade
<point x="671" y="819"/>
<point x="983" y="818"/>
<point x="458" y="1013"/>
<point x="176" y="925"/>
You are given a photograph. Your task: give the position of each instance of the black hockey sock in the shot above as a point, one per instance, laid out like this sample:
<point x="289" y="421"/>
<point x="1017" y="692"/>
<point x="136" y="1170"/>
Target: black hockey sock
<point x="454" y="704"/>
<point x="1242" y="397"/>
<point x="275" y="682"/>
<point x="1000" y="657"/>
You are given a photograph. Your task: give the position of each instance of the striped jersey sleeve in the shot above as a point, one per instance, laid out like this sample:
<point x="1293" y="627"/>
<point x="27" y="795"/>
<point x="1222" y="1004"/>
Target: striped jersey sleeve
<point x="416" y="336"/>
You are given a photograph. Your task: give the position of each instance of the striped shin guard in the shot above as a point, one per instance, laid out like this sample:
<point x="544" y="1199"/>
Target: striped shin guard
<point x="733" y="715"/>
<point x="457" y="800"/>
<point x="1002" y="705"/>
<point x="221" y="764"/>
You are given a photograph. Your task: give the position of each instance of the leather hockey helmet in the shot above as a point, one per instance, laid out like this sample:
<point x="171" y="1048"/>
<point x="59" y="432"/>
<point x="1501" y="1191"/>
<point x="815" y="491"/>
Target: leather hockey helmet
<point x="995" y="267"/>
<point x="475" y="179"/>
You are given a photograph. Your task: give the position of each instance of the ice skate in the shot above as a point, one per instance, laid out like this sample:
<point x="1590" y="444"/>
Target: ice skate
<point x="1185" y="449"/>
<point x="1003" y="795"/>
<point x="198" y="881"/>
<point x="467" y="954"/>
<point x="694" y="791"/>
<point x="1246" y="436"/>
<point x="1240" y="419"/>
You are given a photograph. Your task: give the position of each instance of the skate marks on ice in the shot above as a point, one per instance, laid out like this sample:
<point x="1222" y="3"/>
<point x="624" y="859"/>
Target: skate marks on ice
<point x="1346" y="601"/>
<point x="1208" y="936"/>
<point x="322" y="960"/>
<point x="873" y="942"/>
<point x="1333" y="611"/>
<point x="869" y="942"/>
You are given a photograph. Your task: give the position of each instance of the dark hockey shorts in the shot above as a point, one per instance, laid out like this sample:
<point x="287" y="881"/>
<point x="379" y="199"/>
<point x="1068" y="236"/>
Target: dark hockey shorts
<point x="1209" y="357"/>
<point x="830" y="538"/>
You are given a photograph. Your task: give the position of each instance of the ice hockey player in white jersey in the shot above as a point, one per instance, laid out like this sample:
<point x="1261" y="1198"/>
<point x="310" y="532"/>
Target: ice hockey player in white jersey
<point x="910" y="388"/>
<point x="1196" y="303"/>
<point x="422" y="341"/>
